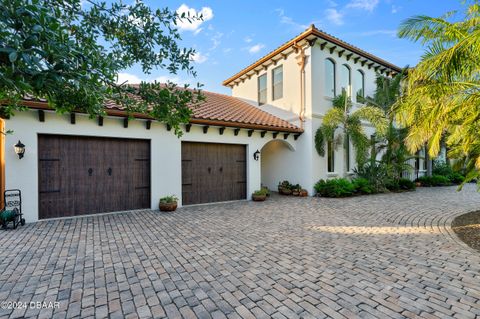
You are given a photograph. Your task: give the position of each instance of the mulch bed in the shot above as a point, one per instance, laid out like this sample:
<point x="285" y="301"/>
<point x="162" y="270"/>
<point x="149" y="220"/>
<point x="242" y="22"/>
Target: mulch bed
<point x="467" y="228"/>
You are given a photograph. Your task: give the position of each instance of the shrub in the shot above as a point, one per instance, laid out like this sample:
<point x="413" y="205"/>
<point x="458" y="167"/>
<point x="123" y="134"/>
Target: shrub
<point x="456" y="178"/>
<point x="406" y="184"/>
<point x="392" y="185"/>
<point x="363" y="186"/>
<point x="338" y="187"/>
<point x="375" y="173"/>
<point x="441" y="168"/>
<point x="266" y="190"/>
<point x="434" y="180"/>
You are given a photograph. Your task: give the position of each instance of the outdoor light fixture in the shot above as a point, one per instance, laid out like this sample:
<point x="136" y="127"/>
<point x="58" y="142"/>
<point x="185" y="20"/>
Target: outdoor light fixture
<point x="256" y="155"/>
<point x="19" y="149"/>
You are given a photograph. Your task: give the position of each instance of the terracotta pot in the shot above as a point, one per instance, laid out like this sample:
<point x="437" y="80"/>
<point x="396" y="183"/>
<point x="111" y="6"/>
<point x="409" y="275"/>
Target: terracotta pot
<point x="259" y="198"/>
<point x="286" y="191"/>
<point x="168" y="207"/>
<point x="303" y="193"/>
<point x="295" y="193"/>
<point x="418" y="184"/>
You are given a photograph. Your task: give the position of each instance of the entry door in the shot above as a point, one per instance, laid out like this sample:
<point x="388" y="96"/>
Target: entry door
<point x="213" y="172"/>
<point x="88" y="175"/>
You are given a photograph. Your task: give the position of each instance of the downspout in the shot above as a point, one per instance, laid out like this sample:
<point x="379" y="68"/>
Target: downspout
<point x="301" y="61"/>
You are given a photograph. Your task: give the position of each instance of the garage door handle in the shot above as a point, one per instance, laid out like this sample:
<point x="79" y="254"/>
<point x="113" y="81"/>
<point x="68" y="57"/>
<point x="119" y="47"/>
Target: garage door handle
<point x="109" y="171"/>
<point x="90" y="172"/>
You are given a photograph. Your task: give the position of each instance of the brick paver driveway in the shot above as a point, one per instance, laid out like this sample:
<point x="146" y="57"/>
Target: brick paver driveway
<point x="372" y="256"/>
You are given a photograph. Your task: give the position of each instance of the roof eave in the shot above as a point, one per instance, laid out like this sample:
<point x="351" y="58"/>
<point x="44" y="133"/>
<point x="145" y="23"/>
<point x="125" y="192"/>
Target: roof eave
<point x="36" y="105"/>
<point x="303" y="36"/>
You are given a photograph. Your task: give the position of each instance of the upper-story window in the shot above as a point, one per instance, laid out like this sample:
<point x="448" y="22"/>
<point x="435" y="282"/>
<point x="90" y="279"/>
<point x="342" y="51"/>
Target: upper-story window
<point x="345" y="79"/>
<point x="262" y="89"/>
<point x="277" y="83"/>
<point x="330" y="90"/>
<point x="359" y="85"/>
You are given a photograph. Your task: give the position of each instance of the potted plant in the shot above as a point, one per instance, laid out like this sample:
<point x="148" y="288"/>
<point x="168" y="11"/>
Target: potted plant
<point x="260" y="195"/>
<point x="296" y="189"/>
<point x="303" y="193"/>
<point x="168" y="203"/>
<point x="285" y="188"/>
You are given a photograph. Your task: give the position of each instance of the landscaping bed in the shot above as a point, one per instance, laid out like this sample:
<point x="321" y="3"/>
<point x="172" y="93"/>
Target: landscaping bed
<point x="467" y="228"/>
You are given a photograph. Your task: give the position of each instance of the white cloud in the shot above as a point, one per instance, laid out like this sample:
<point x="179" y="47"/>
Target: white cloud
<point x="128" y="77"/>
<point x="334" y="16"/>
<point x="247" y="39"/>
<point x="367" y="5"/>
<point x="289" y="21"/>
<point x="194" y="24"/>
<point x="392" y="33"/>
<point x="256" y="48"/>
<point x="199" y="58"/>
<point x="216" y="40"/>
<point x="395" y="8"/>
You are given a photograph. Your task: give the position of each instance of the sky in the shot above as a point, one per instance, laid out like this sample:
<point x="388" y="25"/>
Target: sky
<point x="235" y="33"/>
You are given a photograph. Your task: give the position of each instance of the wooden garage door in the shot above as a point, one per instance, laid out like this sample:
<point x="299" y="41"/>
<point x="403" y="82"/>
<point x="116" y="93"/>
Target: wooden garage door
<point x="213" y="172"/>
<point x="87" y="175"/>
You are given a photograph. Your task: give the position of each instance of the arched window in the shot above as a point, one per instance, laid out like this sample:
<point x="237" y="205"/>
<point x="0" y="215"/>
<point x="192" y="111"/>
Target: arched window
<point x="359" y="85"/>
<point x="345" y="79"/>
<point x="330" y="89"/>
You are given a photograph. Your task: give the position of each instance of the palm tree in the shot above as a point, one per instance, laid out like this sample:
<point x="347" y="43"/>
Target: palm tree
<point x="391" y="144"/>
<point x="342" y="117"/>
<point x="441" y="95"/>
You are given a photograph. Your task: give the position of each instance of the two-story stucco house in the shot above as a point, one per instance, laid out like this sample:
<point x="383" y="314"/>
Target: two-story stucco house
<point x="261" y="135"/>
<point x="297" y="82"/>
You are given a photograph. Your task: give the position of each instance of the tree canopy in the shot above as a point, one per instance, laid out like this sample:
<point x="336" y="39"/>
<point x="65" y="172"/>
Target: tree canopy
<point x="441" y="98"/>
<point x="70" y="52"/>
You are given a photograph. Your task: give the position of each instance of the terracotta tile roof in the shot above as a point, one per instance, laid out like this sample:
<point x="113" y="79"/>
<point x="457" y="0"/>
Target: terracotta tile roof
<point x="216" y="110"/>
<point x="311" y="33"/>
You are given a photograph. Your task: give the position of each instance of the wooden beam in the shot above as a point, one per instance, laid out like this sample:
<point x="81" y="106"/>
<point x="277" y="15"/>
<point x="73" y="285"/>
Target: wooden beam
<point x="370" y="65"/>
<point x="295" y="137"/>
<point x="125" y="122"/>
<point x="376" y="68"/>
<point x="322" y="46"/>
<point x="250" y="132"/>
<point x="340" y="53"/>
<point x="41" y="116"/>
<point x="285" y="136"/>
<point x="169" y="127"/>
<point x="236" y="131"/>
<point x="312" y="42"/>
<point x="72" y="118"/>
<point x="262" y="134"/>
<point x="275" y="134"/>
<point x="221" y="130"/>
<point x="148" y="124"/>
<point x="363" y="62"/>
<point x="284" y="56"/>
<point x="188" y="127"/>
<point x="205" y="129"/>
<point x="332" y="49"/>
<point x="100" y="121"/>
<point x="348" y="56"/>
<point x="355" y="60"/>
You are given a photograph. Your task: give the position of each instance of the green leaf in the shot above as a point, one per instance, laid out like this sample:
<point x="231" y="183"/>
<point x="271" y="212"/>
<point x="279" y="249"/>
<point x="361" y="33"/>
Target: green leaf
<point x="13" y="56"/>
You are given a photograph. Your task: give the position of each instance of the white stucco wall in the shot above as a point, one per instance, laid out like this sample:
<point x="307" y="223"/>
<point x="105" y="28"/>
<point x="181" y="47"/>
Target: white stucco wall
<point x="290" y="102"/>
<point x="165" y="151"/>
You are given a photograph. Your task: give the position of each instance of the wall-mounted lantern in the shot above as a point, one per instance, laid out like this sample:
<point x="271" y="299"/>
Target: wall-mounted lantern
<point x="256" y="155"/>
<point x="19" y="149"/>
